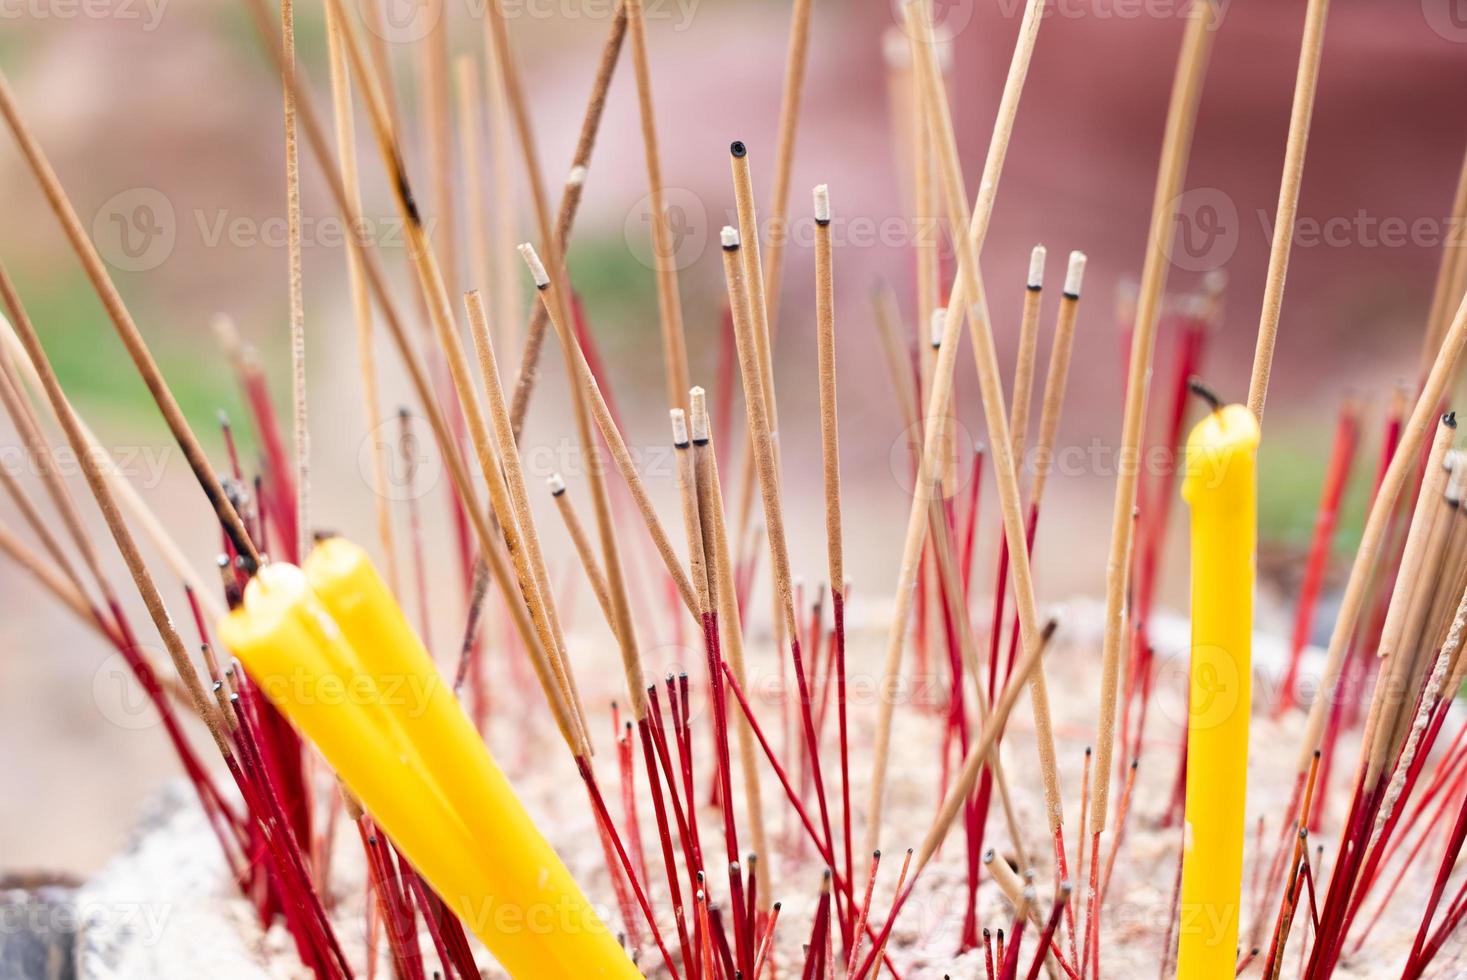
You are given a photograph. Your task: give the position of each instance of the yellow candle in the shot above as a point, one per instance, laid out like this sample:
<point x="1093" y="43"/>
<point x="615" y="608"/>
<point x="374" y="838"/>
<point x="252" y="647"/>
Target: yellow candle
<point x="402" y="743"/>
<point x="1220" y="485"/>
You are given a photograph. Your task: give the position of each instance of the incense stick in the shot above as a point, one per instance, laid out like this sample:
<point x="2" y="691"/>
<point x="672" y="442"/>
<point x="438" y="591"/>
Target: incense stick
<point x="122" y="321"/>
<point x="299" y="418"/>
<point x="1283" y="226"/>
<point x="943" y="379"/>
<point x="669" y="303"/>
<point x="1176" y="147"/>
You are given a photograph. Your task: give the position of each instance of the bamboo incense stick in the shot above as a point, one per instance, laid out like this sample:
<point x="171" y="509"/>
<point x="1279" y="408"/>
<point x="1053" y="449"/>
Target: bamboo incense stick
<point x="1176" y="147"/>
<point x="940" y="395"/>
<point x="669" y="303"/>
<point x="102" y="493"/>
<point x="1023" y="392"/>
<point x="1305" y="83"/>
<point x="784" y="154"/>
<point x="725" y="590"/>
<point x="585" y="380"/>
<point x="584" y="549"/>
<point x="1057" y="376"/>
<point x="1449" y="277"/>
<point x="299" y="413"/>
<point x="361" y="304"/>
<point x="122" y="321"/>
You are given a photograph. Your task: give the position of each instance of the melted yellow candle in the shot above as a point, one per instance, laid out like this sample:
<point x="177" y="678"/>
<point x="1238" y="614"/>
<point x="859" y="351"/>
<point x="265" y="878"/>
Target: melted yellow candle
<point x="412" y="756"/>
<point x="1221" y="487"/>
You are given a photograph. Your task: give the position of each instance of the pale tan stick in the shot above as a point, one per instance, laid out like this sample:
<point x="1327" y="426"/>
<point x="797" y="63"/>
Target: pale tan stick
<point x="1013" y="887"/>
<point x="951" y="582"/>
<point x="437" y="135"/>
<point x="501" y="277"/>
<point x="1418" y="573"/>
<point x="490" y="546"/>
<point x="1448" y="275"/>
<point x="37" y="523"/>
<point x="126" y="329"/>
<point x="471" y="154"/>
<point x="92" y="470"/>
<point x="886" y="317"/>
<point x="142" y="515"/>
<point x="784" y="154"/>
<point x="1176" y="147"/>
<point x="1443" y="370"/>
<point x="730" y="630"/>
<point x="1283" y="225"/>
<point x="1057" y="376"/>
<point x="586" y="381"/>
<point x="967" y="289"/>
<point x="299" y="412"/>
<point x="687" y="489"/>
<point x="433" y="289"/>
<point x="503" y="446"/>
<point x="758" y="426"/>
<point x="560" y="311"/>
<point x="1023" y="394"/>
<point x="570" y="199"/>
<point x="825" y="361"/>
<point x="361" y="303"/>
<point x="584" y="549"/>
<point x="669" y="304"/>
<point x="53" y="579"/>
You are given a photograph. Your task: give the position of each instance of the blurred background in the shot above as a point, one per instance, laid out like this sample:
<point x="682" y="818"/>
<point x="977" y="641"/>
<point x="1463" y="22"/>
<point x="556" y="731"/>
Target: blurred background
<point x="162" y="118"/>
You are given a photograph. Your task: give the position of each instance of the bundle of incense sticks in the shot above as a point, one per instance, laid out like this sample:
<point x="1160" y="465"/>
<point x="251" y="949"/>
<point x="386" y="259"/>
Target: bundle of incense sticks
<point x="745" y="836"/>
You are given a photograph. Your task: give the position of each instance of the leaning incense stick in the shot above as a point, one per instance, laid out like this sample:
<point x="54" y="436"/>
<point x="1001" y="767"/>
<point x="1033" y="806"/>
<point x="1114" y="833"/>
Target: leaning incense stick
<point x="940" y="394"/>
<point x="731" y="632"/>
<point x="1176" y="147"/>
<point x="664" y="259"/>
<point x="1057" y="375"/>
<point x="584" y="549"/>
<point x="1283" y="224"/>
<point x="784" y="154"/>
<point x="1372" y="537"/>
<point x="122" y="321"/>
<point x="502" y="443"/>
<point x="102" y="493"/>
<point x="361" y="304"/>
<point x="1451" y="271"/>
<point x="1020" y="401"/>
<point x="299" y="414"/>
<point x="586" y="381"/>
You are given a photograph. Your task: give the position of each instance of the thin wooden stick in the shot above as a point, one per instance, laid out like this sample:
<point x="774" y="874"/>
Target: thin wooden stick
<point x="619" y="452"/>
<point x="940" y="394"/>
<point x="97" y="483"/>
<point x="669" y="304"/>
<point x="570" y="197"/>
<point x="502" y="445"/>
<point x="14" y="356"/>
<point x="731" y="634"/>
<point x="1449" y="276"/>
<point x="1305" y="83"/>
<point x="829" y="422"/>
<point x="299" y="412"/>
<point x="784" y="154"/>
<point x="1057" y="376"/>
<point x="584" y="549"/>
<point x="55" y="580"/>
<point x="1023" y="393"/>
<point x="1402" y="463"/>
<point x="361" y="304"/>
<point x="126" y="329"/>
<point x="1176" y="147"/>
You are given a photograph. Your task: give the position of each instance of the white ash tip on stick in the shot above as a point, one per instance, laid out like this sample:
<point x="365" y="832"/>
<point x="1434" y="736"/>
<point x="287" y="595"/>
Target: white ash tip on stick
<point x="1075" y="274"/>
<point x="698" y="406"/>
<point x="729" y="237"/>
<point x="821" y="195"/>
<point x="556" y="483"/>
<point x="935" y="325"/>
<point x="1036" y="267"/>
<point x="537" y="268"/>
<point x="679" y="427"/>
